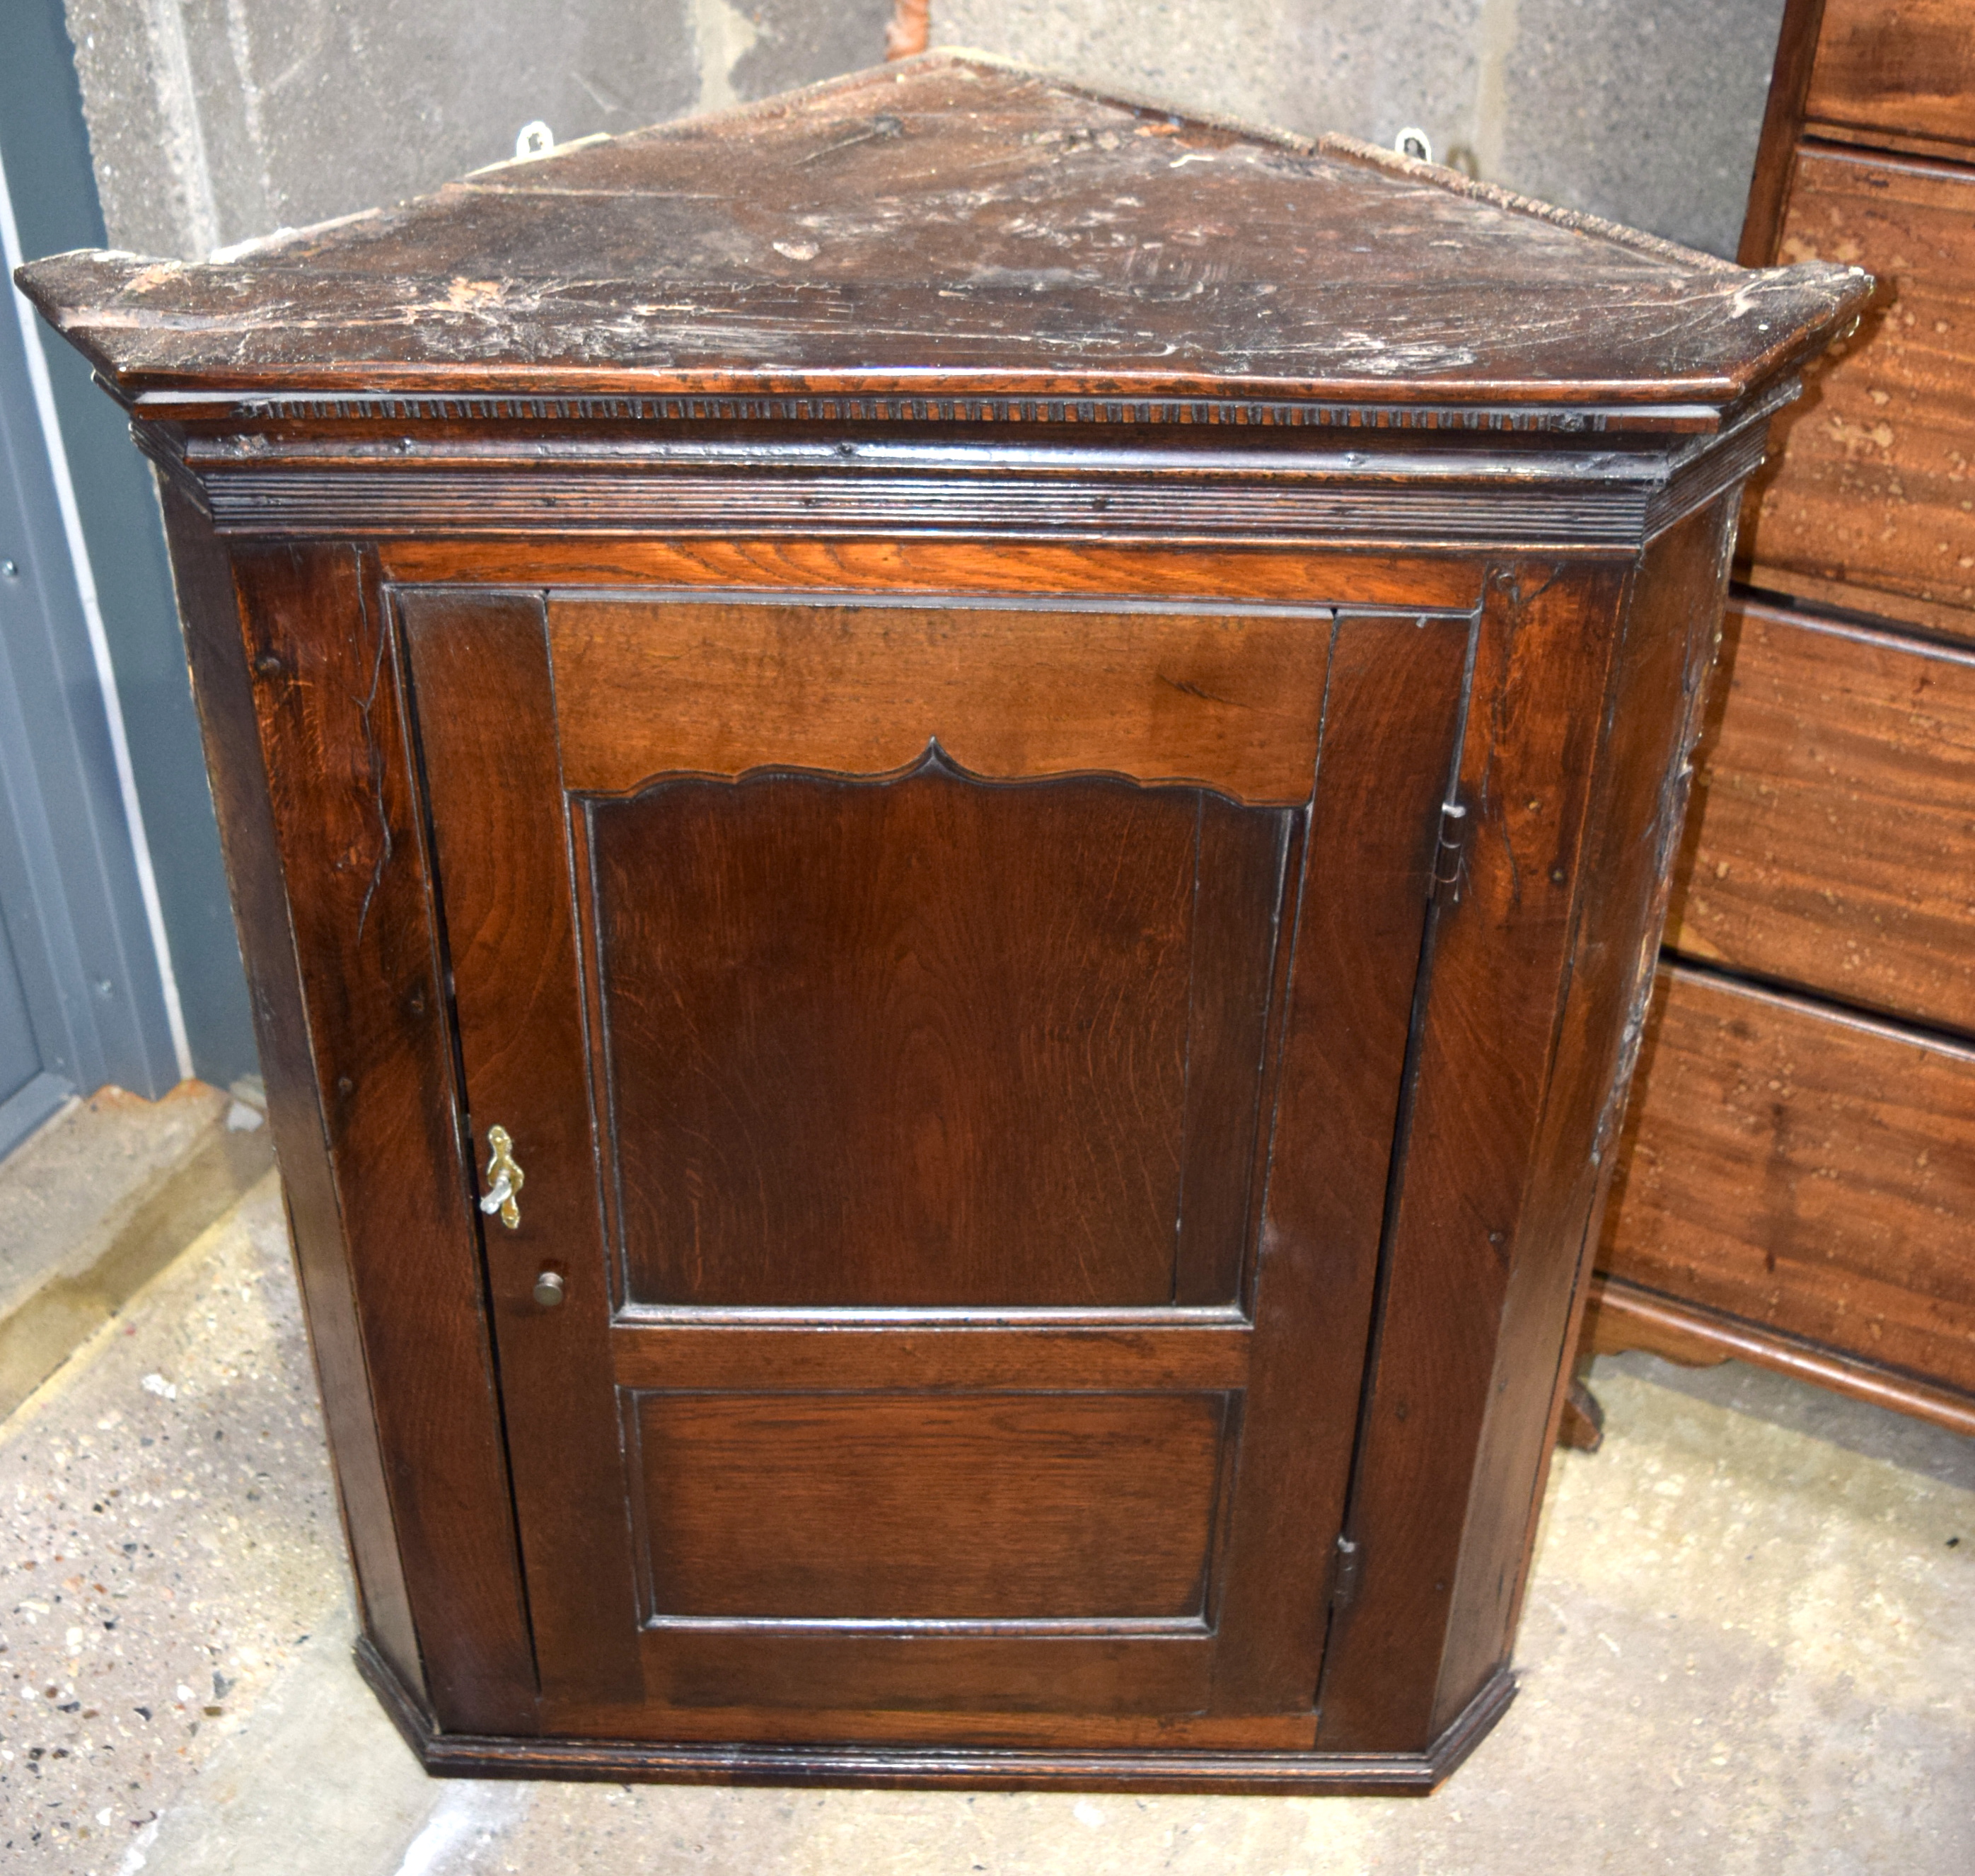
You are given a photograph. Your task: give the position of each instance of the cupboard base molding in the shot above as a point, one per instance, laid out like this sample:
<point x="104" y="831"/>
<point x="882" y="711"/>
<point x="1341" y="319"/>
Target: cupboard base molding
<point x="1233" y="1774"/>
<point x="1623" y="1316"/>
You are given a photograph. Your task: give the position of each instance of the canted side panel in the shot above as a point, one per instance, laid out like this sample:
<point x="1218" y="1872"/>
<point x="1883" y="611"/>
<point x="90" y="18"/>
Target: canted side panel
<point x="1011" y="1511"/>
<point x="1665" y="643"/>
<point x="216" y="641"/>
<point x="929" y="1042"/>
<point x="1488" y="1028"/>
<point x="337" y="921"/>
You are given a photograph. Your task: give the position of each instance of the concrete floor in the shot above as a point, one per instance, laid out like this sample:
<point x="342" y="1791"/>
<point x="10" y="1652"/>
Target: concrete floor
<point x="1750" y="1646"/>
<point x="99" y="1200"/>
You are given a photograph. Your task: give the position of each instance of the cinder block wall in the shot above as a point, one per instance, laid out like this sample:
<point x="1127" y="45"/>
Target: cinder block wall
<point x="1644" y="110"/>
<point x="213" y="121"/>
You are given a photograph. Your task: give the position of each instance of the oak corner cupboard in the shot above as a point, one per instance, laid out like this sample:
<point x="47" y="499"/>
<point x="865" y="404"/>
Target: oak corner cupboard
<point x="949" y="803"/>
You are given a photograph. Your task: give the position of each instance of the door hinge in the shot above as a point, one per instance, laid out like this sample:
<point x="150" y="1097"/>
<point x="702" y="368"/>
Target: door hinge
<point x="1450" y="854"/>
<point x="1346" y="1574"/>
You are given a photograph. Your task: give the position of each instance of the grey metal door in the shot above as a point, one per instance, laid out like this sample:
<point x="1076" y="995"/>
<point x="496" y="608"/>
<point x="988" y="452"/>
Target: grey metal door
<point x="81" y="997"/>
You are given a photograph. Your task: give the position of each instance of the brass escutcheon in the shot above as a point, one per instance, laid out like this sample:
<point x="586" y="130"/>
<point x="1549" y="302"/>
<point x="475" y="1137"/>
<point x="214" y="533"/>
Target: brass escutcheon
<point x="504" y="1179"/>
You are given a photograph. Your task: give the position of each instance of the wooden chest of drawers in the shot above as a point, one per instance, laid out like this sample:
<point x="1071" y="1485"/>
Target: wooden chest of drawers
<point x="1802" y="1187"/>
<point x="949" y="863"/>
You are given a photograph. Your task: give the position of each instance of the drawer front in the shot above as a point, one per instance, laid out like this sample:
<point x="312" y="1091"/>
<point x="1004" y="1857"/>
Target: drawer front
<point x="1872" y="490"/>
<point x="1832" y="843"/>
<point x="1906" y="70"/>
<point x="1810" y="1173"/>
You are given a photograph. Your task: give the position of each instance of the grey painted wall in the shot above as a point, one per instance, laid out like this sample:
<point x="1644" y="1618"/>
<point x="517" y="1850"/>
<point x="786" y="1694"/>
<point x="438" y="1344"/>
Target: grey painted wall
<point x="47" y="159"/>
<point x="79" y="937"/>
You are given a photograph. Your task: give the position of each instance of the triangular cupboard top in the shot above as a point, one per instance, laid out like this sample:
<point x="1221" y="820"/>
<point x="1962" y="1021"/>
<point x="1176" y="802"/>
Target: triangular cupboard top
<point x="953" y="227"/>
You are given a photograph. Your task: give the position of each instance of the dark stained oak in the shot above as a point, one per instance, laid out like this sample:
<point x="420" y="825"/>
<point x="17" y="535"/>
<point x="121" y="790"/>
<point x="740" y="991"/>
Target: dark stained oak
<point x="1148" y="1349"/>
<point x="950" y="801"/>
<point x="1125" y="1754"/>
<point x="917" y="1042"/>
<point x="337" y="923"/>
<point x="1630" y="834"/>
<point x="210" y="609"/>
<point x="840" y="1072"/>
<point x="1030" y="1510"/>
<point x="1482" y="1062"/>
<point x="1831" y="845"/>
<point x="487" y="734"/>
<point x="1112" y="254"/>
<point x="1392" y="716"/>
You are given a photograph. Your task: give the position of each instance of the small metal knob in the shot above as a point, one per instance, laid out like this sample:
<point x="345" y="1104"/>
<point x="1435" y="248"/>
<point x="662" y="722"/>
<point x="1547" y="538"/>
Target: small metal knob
<point x="548" y="1288"/>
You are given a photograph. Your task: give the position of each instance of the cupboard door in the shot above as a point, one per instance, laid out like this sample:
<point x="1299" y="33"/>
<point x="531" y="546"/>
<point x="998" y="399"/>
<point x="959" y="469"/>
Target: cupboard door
<point x="952" y="1052"/>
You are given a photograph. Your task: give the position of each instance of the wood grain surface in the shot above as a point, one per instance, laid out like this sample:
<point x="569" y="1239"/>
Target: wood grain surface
<point x="1399" y="689"/>
<point x="1127" y="1753"/>
<point x="1623" y="1316"/>
<point x="1496" y="971"/>
<point x="1146" y="1350"/>
<point x="1906" y="69"/>
<point x="1805" y="1172"/>
<point x="486" y="730"/>
<point x="1872" y="492"/>
<point x="1264" y="1521"/>
<point x="1228" y="699"/>
<point x="1021" y="1510"/>
<point x="1434" y="582"/>
<point x="1631" y="834"/>
<point x="1833" y="841"/>
<point x="927" y="1043"/>
<point x="1028" y="746"/>
<point x="215" y="630"/>
<point x="1112" y="254"/>
<point x="317" y="643"/>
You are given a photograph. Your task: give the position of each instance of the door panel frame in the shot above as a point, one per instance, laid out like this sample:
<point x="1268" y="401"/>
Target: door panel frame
<point x="1303" y="1581"/>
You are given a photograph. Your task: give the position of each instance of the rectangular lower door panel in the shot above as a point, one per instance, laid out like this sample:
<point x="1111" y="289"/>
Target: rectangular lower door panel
<point x="1012" y="1509"/>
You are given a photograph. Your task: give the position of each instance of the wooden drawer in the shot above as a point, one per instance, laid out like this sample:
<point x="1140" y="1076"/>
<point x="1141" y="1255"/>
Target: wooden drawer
<point x="1832" y="843"/>
<point x="1810" y="1173"/>
<point x="1869" y="501"/>
<point x="1904" y="75"/>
